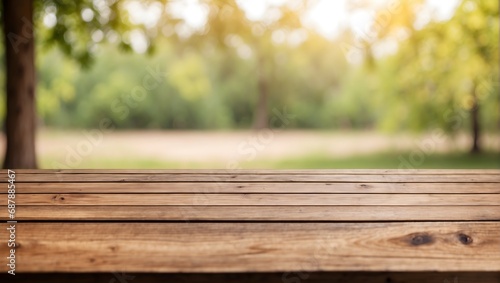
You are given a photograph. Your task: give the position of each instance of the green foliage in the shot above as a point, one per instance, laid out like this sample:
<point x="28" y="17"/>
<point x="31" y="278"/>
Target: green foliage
<point x="72" y="24"/>
<point x="442" y="68"/>
<point x="210" y="79"/>
<point x="190" y="78"/>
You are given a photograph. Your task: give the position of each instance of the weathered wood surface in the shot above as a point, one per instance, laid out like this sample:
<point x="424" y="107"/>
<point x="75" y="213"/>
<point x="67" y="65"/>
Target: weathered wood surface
<point x="203" y="198"/>
<point x="256" y="177"/>
<point x="260" y="199"/>
<point x="258" y="221"/>
<point x="256" y="213"/>
<point x="262" y="188"/>
<point x="252" y="247"/>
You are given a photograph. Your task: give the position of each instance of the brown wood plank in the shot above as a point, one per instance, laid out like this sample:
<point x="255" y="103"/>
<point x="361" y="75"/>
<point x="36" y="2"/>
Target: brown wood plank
<point x="258" y="199"/>
<point x="281" y="277"/>
<point x="256" y="247"/>
<point x="264" y="172"/>
<point x="209" y="188"/>
<point x="142" y="178"/>
<point x="253" y="213"/>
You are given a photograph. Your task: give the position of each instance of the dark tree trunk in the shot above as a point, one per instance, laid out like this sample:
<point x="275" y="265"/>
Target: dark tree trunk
<point x="261" y="120"/>
<point x="476" y="128"/>
<point x="19" y="53"/>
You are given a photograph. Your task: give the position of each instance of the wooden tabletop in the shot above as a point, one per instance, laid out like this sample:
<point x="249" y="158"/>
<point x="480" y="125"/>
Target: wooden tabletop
<point x="255" y="220"/>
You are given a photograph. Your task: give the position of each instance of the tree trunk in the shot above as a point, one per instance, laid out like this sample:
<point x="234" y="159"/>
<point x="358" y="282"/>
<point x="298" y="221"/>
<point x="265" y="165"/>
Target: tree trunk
<point x="476" y="129"/>
<point x="261" y="120"/>
<point x="19" y="54"/>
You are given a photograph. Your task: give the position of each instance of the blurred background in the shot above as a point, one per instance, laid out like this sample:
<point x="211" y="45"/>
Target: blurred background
<point x="267" y="84"/>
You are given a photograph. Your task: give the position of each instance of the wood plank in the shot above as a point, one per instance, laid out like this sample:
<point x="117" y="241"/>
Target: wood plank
<point x="258" y="199"/>
<point x="265" y="172"/>
<point x="253" y="213"/>
<point x="142" y="178"/>
<point x="282" y="277"/>
<point x="209" y="188"/>
<point x="256" y="247"/>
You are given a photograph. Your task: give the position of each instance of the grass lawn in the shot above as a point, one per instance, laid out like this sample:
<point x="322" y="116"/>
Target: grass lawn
<point x="394" y="161"/>
<point x="247" y="149"/>
<point x="488" y="160"/>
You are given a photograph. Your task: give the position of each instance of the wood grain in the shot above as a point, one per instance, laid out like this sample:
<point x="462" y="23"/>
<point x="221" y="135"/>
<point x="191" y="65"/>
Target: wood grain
<point x="331" y="178"/>
<point x="258" y="199"/>
<point x="261" y="188"/>
<point x="258" y="221"/>
<point x="256" y="247"/>
<point x="255" y="213"/>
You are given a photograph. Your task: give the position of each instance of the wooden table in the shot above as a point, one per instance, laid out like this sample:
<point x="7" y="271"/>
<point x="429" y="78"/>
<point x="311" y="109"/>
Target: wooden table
<point x="401" y="225"/>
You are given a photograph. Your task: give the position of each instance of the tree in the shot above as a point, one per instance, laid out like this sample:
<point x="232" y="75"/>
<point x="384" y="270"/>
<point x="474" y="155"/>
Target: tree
<point x="479" y="24"/>
<point x="77" y="27"/>
<point x="73" y="25"/>
<point x="457" y="72"/>
<point x="19" y="52"/>
<point x="230" y="29"/>
<point x="445" y="68"/>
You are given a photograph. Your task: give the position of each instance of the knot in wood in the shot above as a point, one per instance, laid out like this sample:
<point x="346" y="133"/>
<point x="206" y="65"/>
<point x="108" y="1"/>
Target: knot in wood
<point x="464" y="239"/>
<point x="421" y="239"/>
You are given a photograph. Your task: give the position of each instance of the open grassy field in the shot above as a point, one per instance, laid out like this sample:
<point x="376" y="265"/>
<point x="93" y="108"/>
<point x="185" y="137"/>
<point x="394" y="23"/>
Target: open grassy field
<point x="489" y="160"/>
<point x="393" y="160"/>
<point x="259" y="149"/>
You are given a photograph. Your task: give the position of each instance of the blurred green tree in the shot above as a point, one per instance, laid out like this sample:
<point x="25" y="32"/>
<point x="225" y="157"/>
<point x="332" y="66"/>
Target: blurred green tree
<point x="446" y="70"/>
<point x="73" y="25"/>
<point x="229" y="28"/>
<point x="76" y="27"/>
